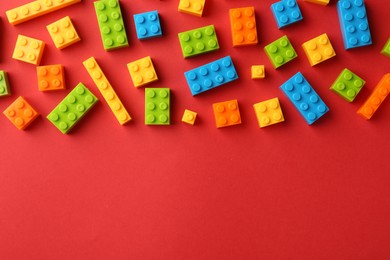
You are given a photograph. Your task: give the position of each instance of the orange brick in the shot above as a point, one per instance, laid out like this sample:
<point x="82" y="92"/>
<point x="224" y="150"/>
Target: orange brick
<point x="243" y="26"/>
<point x="376" y="98"/>
<point x="21" y="113"/>
<point x="50" y="77"/>
<point x="227" y="113"/>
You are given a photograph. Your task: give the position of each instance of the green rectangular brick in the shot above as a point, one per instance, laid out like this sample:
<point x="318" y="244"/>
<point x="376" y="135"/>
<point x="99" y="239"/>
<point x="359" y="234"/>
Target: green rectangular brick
<point x="280" y="52"/>
<point x="4" y="85"/>
<point x="72" y="108"/>
<point x="386" y="50"/>
<point x="198" y="41"/>
<point x="111" y="25"/>
<point x="348" y="85"/>
<point x="157" y="106"/>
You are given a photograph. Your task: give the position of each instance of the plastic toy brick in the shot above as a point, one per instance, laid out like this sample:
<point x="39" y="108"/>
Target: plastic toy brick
<point x="268" y="112"/>
<point x="142" y="71"/>
<point x="21" y="113"/>
<point x="198" y="41"/>
<point x="320" y="2"/>
<point x="211" y="75"/>
<point x="258" y="72"/>
<point x="304" y="98"/>
<point x="157" y="106"/>
<point x="318" y="49"/>
<point x="35" y="9"/>
<point x="28" y="49"/>
<point x="50" y="77"/>
<point x="286" y="12"/>
<point x="280" y="52"/>
<point x="72" y="108"/>
<point x="63" y="33"/>
<point x="194" y="7"/>
<point x="227" y="113"/>
<point x="4" y="85"/>
<point x="189" y="117"/>
<point x="111" y="25"/>
<point x="147" y="25"/>
<point x="107" y="91"/>
<point x="386" y="49"/>
<point x="376" y="98"/>
<point x="354" y="23"/>
<point x="243" y="26"/>
<point x="348" y="85"/>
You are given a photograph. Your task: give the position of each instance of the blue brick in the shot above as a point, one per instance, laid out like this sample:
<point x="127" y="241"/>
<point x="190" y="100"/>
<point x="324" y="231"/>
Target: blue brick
<point x="304" y="98"/>
<point x="354" y="24"/>
<point x="211" y="75"/>
<point x="286" y="12"/>
<point x="147" y="25"/>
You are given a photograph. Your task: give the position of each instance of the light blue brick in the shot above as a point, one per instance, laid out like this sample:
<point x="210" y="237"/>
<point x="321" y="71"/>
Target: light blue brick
<point x="286" y="12"/>
<point x="147" y="25"/>
<point x="354" y="24"/>
<point x="211" y="75"/>
<point x="304" y="98"/>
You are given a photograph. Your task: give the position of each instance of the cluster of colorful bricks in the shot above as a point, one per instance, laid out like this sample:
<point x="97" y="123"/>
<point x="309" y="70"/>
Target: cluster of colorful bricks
<point x="353" y="24"/>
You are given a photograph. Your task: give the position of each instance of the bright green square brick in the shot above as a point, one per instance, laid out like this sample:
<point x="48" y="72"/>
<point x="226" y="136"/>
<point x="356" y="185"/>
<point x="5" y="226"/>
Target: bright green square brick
<point x="72" y="108"/>
<point x="280" y="52"/>
<point x="4" y="86"/>
<point x="386" y="50"/>
<point x="157" y="106"/>
<point x="198" y="41"/>
<point x="348" y="85"/>
<point x="111" y="25"/>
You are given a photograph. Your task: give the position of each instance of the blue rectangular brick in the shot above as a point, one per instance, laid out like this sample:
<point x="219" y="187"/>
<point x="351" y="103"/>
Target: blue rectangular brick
<point x="147" y="25"/>
<point x="304" y="98"/>
<point x="286" y="12"/>
<point x="354" y="23"/>
<point x="211" y="75"/>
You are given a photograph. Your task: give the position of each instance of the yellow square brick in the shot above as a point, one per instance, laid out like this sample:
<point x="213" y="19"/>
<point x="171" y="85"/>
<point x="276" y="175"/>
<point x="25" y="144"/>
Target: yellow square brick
<point x="320" y="2"/>
<point x="63" y="33"/>
<point x="189" y="117"/>
<point x="258" y="72"/>
<point x="142" y="71"/>
<point x="318" y="49"/>
<point x="193" y="7"/>
<point x="268" y="112"/>
<point x="28" y="49"/>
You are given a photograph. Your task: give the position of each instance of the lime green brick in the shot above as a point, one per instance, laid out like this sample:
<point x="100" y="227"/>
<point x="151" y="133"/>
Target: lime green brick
<point x="72" y="108"/>
<point x="280" y="52"/>
<point x="157" y="106"/>
<point x="348" y="85"/>
<point x="198" y="41"/>
<point x="4" y="85"/>
<point x="386" y="50"/>
<point x="111" y="25"/>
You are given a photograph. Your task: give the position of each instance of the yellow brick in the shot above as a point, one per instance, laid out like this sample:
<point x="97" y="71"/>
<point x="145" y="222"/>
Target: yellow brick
<point x="63" y="33"/>
<point x="194" y="7"/>
<point x="321" y="2"/>
<point x="35" y="9"/>
<point x="189" y="117"/>
<point x="107" y="91"/>
<point x="268" y="112"/>
<point x="258" y="72"/>
<point x="318" y="49"/>
<point x="142" y="71"/>
<point x="28" y="49"/>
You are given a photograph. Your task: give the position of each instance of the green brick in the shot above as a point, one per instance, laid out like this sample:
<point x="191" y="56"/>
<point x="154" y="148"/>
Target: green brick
<point x="72" y="108"/>
<point x="348" y="85"/>
<point x="386" y="49"/>
<point x="4" y="86"/>
<point x="157" y="106"/>
<point x="111" y="25"/>
<point x="198" y="41"/>
<point x="280" y="52"/>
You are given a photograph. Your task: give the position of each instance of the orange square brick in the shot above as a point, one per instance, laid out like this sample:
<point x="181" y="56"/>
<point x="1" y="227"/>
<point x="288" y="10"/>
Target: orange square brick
<point x="21" y="113"/>
<point x="227" y="113"/>
<point x="243" y="26"/>
<point x="28" y="49"/>
<point x="50" y="77"/>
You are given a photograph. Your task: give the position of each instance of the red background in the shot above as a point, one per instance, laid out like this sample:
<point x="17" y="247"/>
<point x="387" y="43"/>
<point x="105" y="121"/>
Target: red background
<point x="105" y="191"/>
